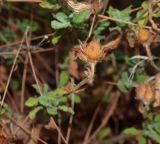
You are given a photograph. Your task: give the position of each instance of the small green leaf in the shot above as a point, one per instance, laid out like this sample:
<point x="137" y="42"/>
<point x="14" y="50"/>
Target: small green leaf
<point x="45" y="89"/>
<point x="77" y="99"/>
<point x="33" y="113"/>
<point x="52" y="111"/>
<point x="32" y="101"/>
<point x="51" y="94"/>
<point x="102" y="25"/>
<point x="61" y="22"/>
<point x="142" y="140"/>
<point x="63" y="99"/>
<point x="60" y="91"/>
<point x="81" y="17"/>
<point x="104" y="133"/>
<point x="15" y="84"/>
<point x="37" y="88"/>
<point x="58" y="25"/>
<point x="121" y="86"/>
<point x="120" y="14"/>
<point x="132" y="130"/>
<point x="55" y="39"/>
<point x="65" y="109"/>
<point x="45" y="4"/>
<point x="64" y="77"/>
<point x="141" y="78"/>
<point x="43" y="100"/>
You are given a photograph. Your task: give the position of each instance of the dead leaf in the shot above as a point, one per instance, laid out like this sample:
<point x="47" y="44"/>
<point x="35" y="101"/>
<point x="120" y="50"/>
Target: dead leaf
<point x="131" y="38"/>
<point x="35" y="134"/>
<point x="145" y="93"/>
<point x="96" y="5"/>
<point x="113" y="43"/>
<point x="143" y="35"/>
<point x="156" y="88"/>
<point x="73" y="67"/>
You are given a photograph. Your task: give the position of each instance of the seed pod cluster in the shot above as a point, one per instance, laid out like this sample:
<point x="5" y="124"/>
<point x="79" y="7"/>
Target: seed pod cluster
<point x="149" y="94"/>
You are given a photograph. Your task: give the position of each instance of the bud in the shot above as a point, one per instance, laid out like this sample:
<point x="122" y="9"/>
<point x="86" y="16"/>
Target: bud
<point x="143" y="35"/>
<point x="93" y="51"/>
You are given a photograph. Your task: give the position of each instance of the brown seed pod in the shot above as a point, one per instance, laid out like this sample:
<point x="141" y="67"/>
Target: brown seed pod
<point x="156" y="88"/>
<point x="143" y="35"/>
<point x="145" y="93"/>
<point x="93" y="50"/>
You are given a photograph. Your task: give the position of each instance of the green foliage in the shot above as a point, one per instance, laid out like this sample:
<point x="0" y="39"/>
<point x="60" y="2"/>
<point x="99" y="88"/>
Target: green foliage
<point x="48" y="5"/>
<point x="141" y="140"/>
<point x="15" y="84"/>
<point x="104" y="133"/>
<point x="151" y="127"/>
<point x="64" y="77"/>
<point x="22" y="25"/>
<point x="77" y="99"/>
<point x="81" y="17"/>
<point x="124" y="84"/>
<point x="102" y="25"/>
<point x="7" y="35"/>
<point x="5" y="109"/>
<point x="142" y="14"/>
<point x="120" y="14"/>
<point x="62" y="21"/>
<point x="56" y="37"/>
<point x="50" y="101"/>
<point x="132" y="131"/>
<point x="33" y="113"/>
<point x="141" y="78"/>
<point x="32" y="101"/>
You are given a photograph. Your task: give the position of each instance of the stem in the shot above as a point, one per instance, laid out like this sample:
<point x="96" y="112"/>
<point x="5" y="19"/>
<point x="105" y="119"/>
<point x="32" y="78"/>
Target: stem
<point x="92" y="72"/>
<point x="148" y="51"/>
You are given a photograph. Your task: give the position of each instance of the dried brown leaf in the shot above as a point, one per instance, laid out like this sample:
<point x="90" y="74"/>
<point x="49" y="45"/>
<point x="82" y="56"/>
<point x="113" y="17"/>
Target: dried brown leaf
<point x="113" y="43"/>
<point x="73" y="67"/>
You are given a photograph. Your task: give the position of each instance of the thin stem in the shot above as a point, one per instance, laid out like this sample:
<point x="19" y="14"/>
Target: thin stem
<point x="71" y="116"/>
<point x="149" y="53"/>
<point x="13" y="66"/>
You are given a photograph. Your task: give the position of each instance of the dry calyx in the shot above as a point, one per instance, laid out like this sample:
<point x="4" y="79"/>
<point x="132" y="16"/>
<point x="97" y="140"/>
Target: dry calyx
<point x="149" y="93"/>
<point x="93" y="52"/>
<point x="146" y="37"/>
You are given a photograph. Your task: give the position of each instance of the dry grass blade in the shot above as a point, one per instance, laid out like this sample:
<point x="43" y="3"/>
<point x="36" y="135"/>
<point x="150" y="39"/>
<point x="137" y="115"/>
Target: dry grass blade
<point x="13" y="66"/>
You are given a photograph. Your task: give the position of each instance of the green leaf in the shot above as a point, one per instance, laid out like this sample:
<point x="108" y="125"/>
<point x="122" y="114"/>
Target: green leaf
<point x="141" y="16"/>
<point x="45" y="89"/>
<point x="32" y="101"/>
<point x="102" y="25"/>
<point x="141" y="78"/>
<point x="124" y="84"/>
<point x="122" y="87"/>
<point x="52" y="111"/>
<point x="61" y="21"/>
<point x="33" y="113"/>
<point x="58" y="25"/>
<point x="55" y="39"/>
<point x="142" y="140"/>
<point x="132" y="131"/>
<point x="51" y="94"/>
<point x="46" y="4"/>
<point x="43" y="100"/>
<point x="120" y="14"/>
<point x="15" y="84"/>
<point x="60" y="91"/>
<point x="37" y="88"/>
<point x="64" y="77"/>
<point x="104" y="133"/>
<point x="65" y="109"/>
<point x="62" y="100"/>
<point x="81" y="17"/>
<point x="77" y="99"/>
